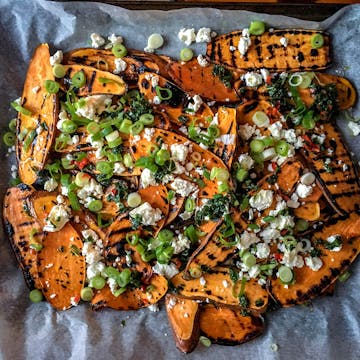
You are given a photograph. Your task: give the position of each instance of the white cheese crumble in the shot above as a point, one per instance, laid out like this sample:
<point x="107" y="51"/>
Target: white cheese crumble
<point x="94" y="105"/>
<point x="179" y="152"/>
<point x="195" y="104"/>
<point x="303" y="190"/>
<point x="180" y="243"/>
<point x="246" y="131"/>
<point x="147" y="179"/>
<point x="269" y="234"/>
<point x="265" y="74"/>
<point x="247" y="239"/>
<point x="57" y="58"/>
<point x="244" y="42"/>
<point x="284" y="41"/>
<point x="183" y="187"/>
<point x="246" y="161"/>
<point x="115" y="40"/>
<point x="89" y="235"/>
<point x="187" y="35"/>
<point x="96" y="40"/>
<point x="202" y="61"/>
<point x="120" y="65"/>
<point x="149" y="133"/>
<point x="149" y="215"/>
<point x="153" y="307"/>
<point x="275" y="130"/>
<point x="119" y="168"/>
<point x="262" y="200"/>
<point x="202" y="281"/>
<point x="262" y="251"/>
<point x="203" y="35"/>
<point x="331" y="239"/>
<point x="226" y="139"/>
<point x="354" y="127"/>
<point x="168" y="271"/>
<point x="50" y="185"/>
<point x="314" y="263"/>
<point x="253" y="79"/>
<point x="35" y="89"/>
<point x="59" y="215"/>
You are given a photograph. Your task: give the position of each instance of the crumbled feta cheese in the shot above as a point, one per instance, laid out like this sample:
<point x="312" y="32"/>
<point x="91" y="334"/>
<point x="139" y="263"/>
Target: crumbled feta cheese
<point x="314" y="263"/>
<point x="180" y="243"/>
<point x="179" y="169"/>
<point x="333" y="238"/>
<point x="275" y="129"/>
<point x="262" y="251"/>
<point x="115" y="40"/>
<point x="179" y="152"/>
<point x="50" y="185"/>
<point x="226" y="139"/>
<point x="153" y="307"/>
<point x="94" y="105"/>
<point x="202" y="61"/>
<point x="284" y="41"/>
<point x="90" y="235"/>
<point x="247" y="239"/>
<point x="244" y="42"/>
<point x="57" y="58"/>
<point x="262" y="200"/>
<point x="96" y="40"/>
<point x="202" y="281"/>
<point x="225" y="284"/>
<point x="195" y="104"/>
<point x="265" y="74"/>
<point x="232" y="48"/>
<point x="282" y="221"/>
<point x="269" y="234"/>
<point x="90" y="191"/>
<point x="293" y="202"/>
<point x="183" y="187"/>
<point x="149" y="215"/>
<point x="246" y="161"/>
<point x="59" y="215"/>
<point x="292" y="259"/>
<point x="254" y="271"/>
<point x="187" y="36"/>
<point x="303" y="190"/>
<point x="119" y="168"/>
<point x="203" y="35"/>
<point x="253" y="79"/>
<point x="120" y="65"/>
<point x="35" y="89"/>
<point x="354" y="127"/>
<point x="149" y="49"/>
<point x="147" y="179"/>
<point x="168" y="271"/>
<point x="246" y="131"/>
<point x="318" y="139"/>
<point x="156" y="100"/>
<point x="149" y="133"/>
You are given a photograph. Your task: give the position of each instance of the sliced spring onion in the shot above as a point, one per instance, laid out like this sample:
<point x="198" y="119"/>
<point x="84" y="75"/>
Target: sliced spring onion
<point x="35" y="296"/>
<point x="119" y="50"/>
<point x="163" y="93"/>
<point x="223" y="187"/>
<point x="282" y="148"/>
<point x="20" y="108"/>
<point x="307" y="78"/>
<point x="68" y="127"/>
<point x="269" y="218"/>
<point x="52" y="87"/>
<point x="219" y="174"/>
<point x="258" y="158"/>
<point x="29" y="139"/>
<point x="186" y="54"/>
<point x="113" y="157"/>
<point x="36" y="246"/>
<point x="189" y="205"/>
<point x="257" y="27"/>
<point x="147" y="119"/>
<point x="86" y="294"/>
<point x="205" y="341"/>
<point x="165" y="236"/>
<point x="9" y="138"/>
<point x="286" y="275"/>
<point x="12" y="125"/>
<point x="132" y="239"/>
<point x="120" y="291"/>
<point x="301" y="225"/>
<point x="295" y="79"/>
<point x="97" y="282"/>
<point x="115" y="143"/>
<point x="81" y="179"/>
<point x="308" y="121"/>
<point x="95" y="205"/>
<point x="155" y="41"/>
<point x="93" y="128"/>
<point x="317" y="41"/>
<point x="67" y="164"/>
<point x="241" y="174"/>
<point x="213" y="131"/>
<point x="79" y="79"/>
<point x="128" y="161"/>
<point x="195" y="272"/>
<point x="257" y="146"/>
<point x="125" y="126"/>
<point x="137" y="128"/>
<point x="162" y="156"/>
<point x="123" y="278"/>
<point x="260" y="119"/>
<point x="344" y="276"/>
<point x="112" y="136"/>
<point x="134" y="199"/>
<point x="58" y="71"/>
<point x="268" y="141"/>
<point x="249" y="259"/>
<point x="164" y="254"/>
<point x="104" y="167"/>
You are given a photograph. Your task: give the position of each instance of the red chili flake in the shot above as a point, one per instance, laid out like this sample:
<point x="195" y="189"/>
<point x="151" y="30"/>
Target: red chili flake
<point x="81" y="164"/>
<point x="76" y="298"/>
<point x="274" y="165"/>
<point x="310" y="145"/>
<point x="268" y="79"/>
<point x="143" y="288"/>
<point x="283" y="232"/>
<point x="278" y="256"/>
<point x="114" y="191"/>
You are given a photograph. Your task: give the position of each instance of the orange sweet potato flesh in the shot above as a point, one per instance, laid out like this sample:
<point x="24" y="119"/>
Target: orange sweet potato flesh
<point x="289" y="175"/>
<point x="95" y="78"/>
<point x="41" y="203"/>
<point x="310" y="284"/>
<point x="208" y="159"/>
<point x="199" y="80"/>
<point x="227" y="326"/>
<point x="218" y="288"/>
<point x="44" y="109"/>
<point x="18" y="224"/>
<point x="340" y="184"/>
<point x="62" y="267"/>
<point x="309" y="211"/>
<point x="131" y="299"/>
<point x="183" y="315"/>
<point x="266" y="51"/>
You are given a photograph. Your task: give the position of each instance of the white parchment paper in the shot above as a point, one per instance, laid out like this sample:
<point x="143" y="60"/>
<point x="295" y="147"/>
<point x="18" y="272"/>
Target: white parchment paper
<point x="329" y="329"/>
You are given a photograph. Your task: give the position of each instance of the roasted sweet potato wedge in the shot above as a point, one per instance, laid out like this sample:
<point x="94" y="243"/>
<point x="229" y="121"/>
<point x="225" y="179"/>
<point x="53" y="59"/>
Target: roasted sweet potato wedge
<point x="266" y="51"/>
<point x="35" y="131"/>
<point x="227" y="326"/>
<point x="183" y="315"/>
<point x="62" y="267"/>
<point x="97" y="81"/>
<point x="22" y="230"/>
<point x="40" y="205"/>
<point x="131" y="299"/>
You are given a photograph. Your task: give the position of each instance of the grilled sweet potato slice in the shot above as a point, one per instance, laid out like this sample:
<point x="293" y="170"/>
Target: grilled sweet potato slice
<point x="131" y="299"/>
<point x="309" y="211"/>
<point x="32" y="147"/>
<point x="309" y="283"/>
<point x="62" y="267"/>
<point x="218" y="287"/>
<point x="97" y="81"/>
<point x="183" y="315"/>
<point x="266" y="51"/>
<point x="22" y="229"/>
<point x="336" y="172"/>
<point x="227" y="326"/>
<point x="199" y="80"/>
<point x="40" y="204"/>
